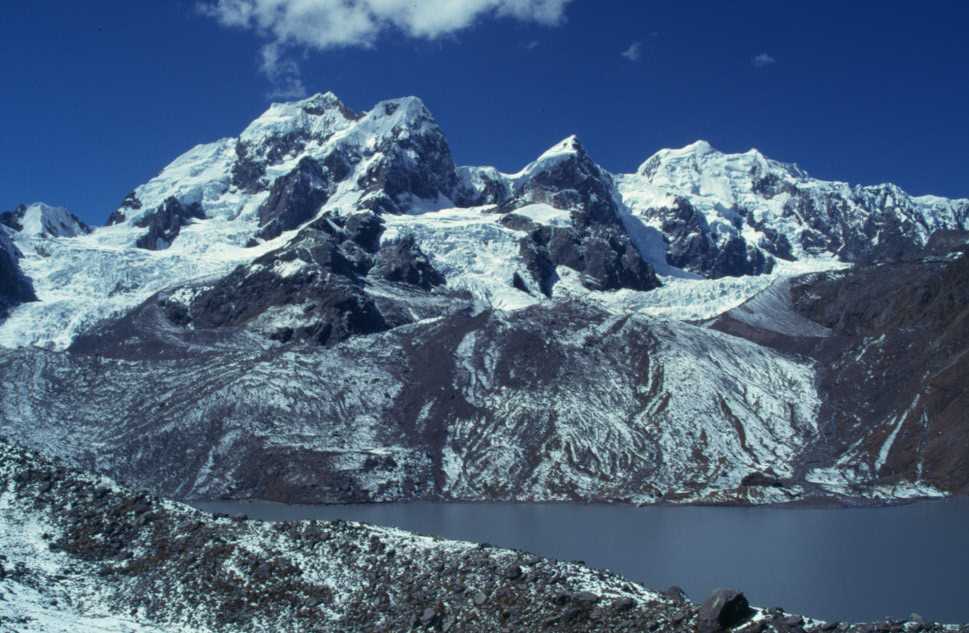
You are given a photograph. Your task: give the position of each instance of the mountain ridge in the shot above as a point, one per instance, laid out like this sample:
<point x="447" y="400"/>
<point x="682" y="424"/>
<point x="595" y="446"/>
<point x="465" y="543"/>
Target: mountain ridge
<point x="327" y="308"/>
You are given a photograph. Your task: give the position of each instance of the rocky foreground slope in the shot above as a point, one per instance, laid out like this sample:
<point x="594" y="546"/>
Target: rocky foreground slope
<point x="83" y="554"/>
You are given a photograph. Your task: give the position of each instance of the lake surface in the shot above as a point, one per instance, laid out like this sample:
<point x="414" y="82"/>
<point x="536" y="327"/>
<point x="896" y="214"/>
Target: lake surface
<point x="857" y="564"/>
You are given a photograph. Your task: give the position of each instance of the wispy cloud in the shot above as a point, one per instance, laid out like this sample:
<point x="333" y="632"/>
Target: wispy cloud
<point x="282" y="72"/>
<point x="532" y="45"/>
<point x="634" y="52"/>
<point x="763" y="61"/>
<point x="290" y="25"/>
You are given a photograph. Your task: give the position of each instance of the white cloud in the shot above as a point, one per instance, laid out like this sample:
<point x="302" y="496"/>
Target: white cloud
<point x="325" y="24"/>
<point x="283" y="73"/>
<point x="763" y="61"/>
<point x="634" y="52"/>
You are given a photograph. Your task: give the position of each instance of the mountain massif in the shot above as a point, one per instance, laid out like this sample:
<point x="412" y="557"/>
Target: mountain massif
<point x="327" y="308"/>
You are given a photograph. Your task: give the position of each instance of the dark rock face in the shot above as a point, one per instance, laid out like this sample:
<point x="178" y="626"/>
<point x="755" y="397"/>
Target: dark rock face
<point x="315" y="288"/>
<point x="723" y="610"/>
<point x="403" y="261"/>
<point x="889" y="229"/>
<point x="903" y="332"/>
<point x="12" y="218"/>
<point x="364" y="229"/>
<point x="535" y="255"/>
<point x="415" y="163"/>
<point x="597" y="245"/>
<point x="15" y="287"/>
<point x="319" y="273"/>
<point x="943" y="243"/>
<point x="295" y="198"/>
<point x="166" y="222"/>
<point x="478" y="186"/>
<point x="692" y="245"/>
<point x="130" y="203"/>
<point x="575" y="183"/>
<point x="247" y="172"/>
<point x="604" y="255"/>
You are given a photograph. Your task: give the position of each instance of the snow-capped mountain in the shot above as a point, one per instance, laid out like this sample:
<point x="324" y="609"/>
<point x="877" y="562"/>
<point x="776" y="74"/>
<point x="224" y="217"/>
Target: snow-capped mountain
<point x="733" y="214"/>
<point x="42" y="220"/>
<point x="327" y="308"/>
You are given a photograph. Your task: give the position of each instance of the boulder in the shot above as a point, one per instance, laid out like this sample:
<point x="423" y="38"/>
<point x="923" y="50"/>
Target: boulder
<point x="723" y="610"/>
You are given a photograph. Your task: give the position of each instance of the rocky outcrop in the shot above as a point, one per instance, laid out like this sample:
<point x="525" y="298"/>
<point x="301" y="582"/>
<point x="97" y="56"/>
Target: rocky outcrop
<point x="312" y="288"/>
<point x="565" y="177"/>
<point x="411" y="163"/>
<point x="693" y="245"/>
<point x="478" y="186"/>
<point x="15" y="287"/>
<point x="723" y="610"/>
<point x="403" y="261"/>
<point x="315" y="288"/>
<point x="165" y="223"/>
<point x="605" y="256"/>
<point x="295" y="198"/>
<point x="596" y="244"/>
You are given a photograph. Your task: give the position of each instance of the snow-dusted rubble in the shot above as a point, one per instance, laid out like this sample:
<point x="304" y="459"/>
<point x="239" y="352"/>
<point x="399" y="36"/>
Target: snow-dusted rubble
<point x="551" y="402"/>
<point x="82" y="554"/>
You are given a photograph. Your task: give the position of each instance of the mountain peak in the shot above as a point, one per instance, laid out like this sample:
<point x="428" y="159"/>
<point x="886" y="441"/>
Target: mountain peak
<point x="404" y="109"/>
<point x="699" y="146"/>
<point x="318" y="114"/>
<point x="568" y="145"/>
<point x="565" y="149"/>
<point x="41" y="219"/>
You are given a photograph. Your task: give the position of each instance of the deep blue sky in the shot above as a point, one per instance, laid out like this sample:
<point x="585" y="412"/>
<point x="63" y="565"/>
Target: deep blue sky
<point x="98" y="96"/>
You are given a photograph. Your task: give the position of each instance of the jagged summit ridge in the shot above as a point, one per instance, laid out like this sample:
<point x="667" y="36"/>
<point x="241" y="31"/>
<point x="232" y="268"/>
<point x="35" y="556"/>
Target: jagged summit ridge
<point x="229" y="177"/>
<point x="561" y="224"/>
<point x="727" y="214"/>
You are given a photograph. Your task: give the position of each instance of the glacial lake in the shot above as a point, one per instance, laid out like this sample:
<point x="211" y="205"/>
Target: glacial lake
<point x="848" y="564"/>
